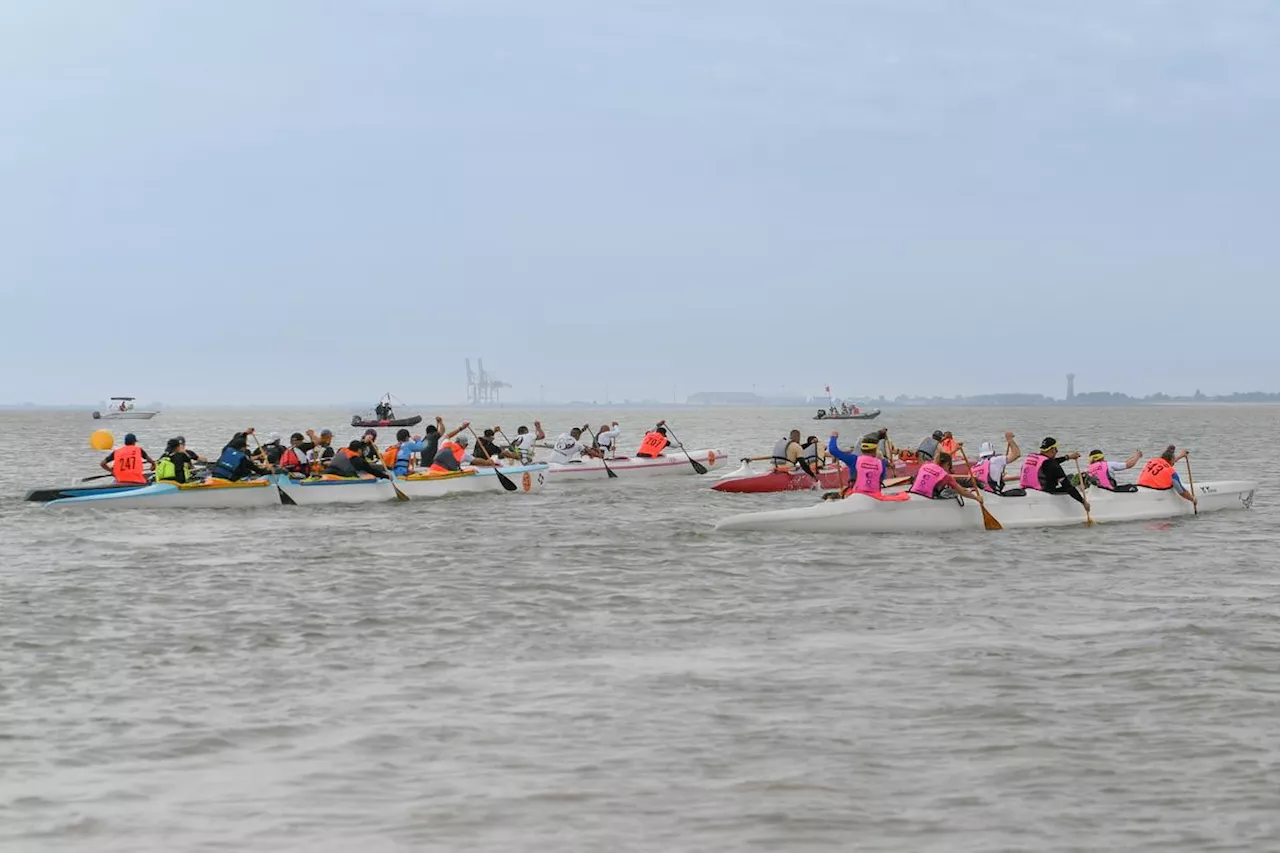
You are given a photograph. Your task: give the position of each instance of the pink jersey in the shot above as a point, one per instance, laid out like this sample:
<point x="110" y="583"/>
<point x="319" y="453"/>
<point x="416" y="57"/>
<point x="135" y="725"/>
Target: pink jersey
<point x="928" y="479"/>
<point x="866" y="475"/>
<point x="1030" y="478"/>
<point x="982" y="475"/>
<point x="1101" y="472"/>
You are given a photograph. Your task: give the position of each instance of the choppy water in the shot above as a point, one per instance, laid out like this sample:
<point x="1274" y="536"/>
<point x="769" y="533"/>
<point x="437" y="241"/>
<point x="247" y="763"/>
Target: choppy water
<point x="592" y="668"/>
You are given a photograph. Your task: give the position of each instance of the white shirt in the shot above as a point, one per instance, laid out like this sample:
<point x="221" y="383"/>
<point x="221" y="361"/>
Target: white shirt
<point x="606" y="438"/>
<point x="524" y="444"/>
<point x="998" y="463"/>
<point x="567" y="449"/>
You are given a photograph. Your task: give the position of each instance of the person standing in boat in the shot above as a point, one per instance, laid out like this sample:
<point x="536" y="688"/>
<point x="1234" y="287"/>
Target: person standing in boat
<point x="1101" y="473"/>
<point x="988" y="474"/>
<point x="1161" y="475"/>
<point x="1043" y="472"/>
<point x="929" y="447"/>
<point x="934" y="477"/>
<point x="125" y="463"/>
<point x="866" y="470"/>
<point x="787" y="452"/>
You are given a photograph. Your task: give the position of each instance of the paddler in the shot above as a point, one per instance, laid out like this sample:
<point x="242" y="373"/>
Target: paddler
<point x="235" y="463"/>
<point x="398" y="458"/>
<point x="1160" y="473"/>
<point x="174" y="466"/>
<point x="934" y="477"/>
<point x="370" y="442"/>
<point x="431" y="440"/>
<point x="272" y="449"/>
<point x="813" y="455"/>
<point x="350" y="461"/>
<point x="296" y="461"/>
<point x="988" y="474"/>
<point x="125" y="463"/>
<point x="523" y="442"/>
<point x="949" y="445"/>
<point x="488" y="449"/>
<point x="929" y="447"/>
<point x="607" y="438"/>
<point x="569" y="447"/>
<point x="656" y="440"/>
<point x="320" y="446"/>
<point x="866" y="470"/>
<point x="787" y="452"/>
<point x="452" y="456"/>
<point x="1101" y="473"/>
<point x="880" y="438"/>
<point x="1043" y="472"/>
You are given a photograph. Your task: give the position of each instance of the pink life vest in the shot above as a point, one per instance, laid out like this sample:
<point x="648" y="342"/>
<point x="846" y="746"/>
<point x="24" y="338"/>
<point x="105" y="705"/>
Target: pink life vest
<point x="866" y="475"/>
<point x="928" y="478"/>
<point x="981" y="474"/>
<point x="1030" y="478"/>
<point x="1101" y="472"/>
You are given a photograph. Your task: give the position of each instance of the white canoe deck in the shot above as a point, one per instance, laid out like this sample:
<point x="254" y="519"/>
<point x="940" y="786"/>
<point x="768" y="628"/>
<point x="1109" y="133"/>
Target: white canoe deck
<point x="667" y="465"/>
<point x="862" y="514"/>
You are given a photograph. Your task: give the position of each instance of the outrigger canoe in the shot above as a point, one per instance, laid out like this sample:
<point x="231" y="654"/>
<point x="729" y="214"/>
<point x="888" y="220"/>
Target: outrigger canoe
<point x="746" y="480"/>
<point x="903" y="513"/>
<point x="527" y="478"/>
<point x="668" y="464"/>
<point x="210" y="494"/>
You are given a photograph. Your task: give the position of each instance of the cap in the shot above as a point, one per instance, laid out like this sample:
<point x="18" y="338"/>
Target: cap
<point x="937" y="435"/>
<point x="985" y="450"/>
<point x="328" y="432"/>
<point x="275" y="436"/>
<point x="297" y="436"/>
<point x="1049" y="443"/>
<point x="130" y="438"/>
<point x="355" y="444"/>
<point x="181" y="439"/>
<point x="463" y="440"/>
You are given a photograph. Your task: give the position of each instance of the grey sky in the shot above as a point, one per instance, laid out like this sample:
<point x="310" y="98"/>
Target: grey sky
<point x="311" y="201"/>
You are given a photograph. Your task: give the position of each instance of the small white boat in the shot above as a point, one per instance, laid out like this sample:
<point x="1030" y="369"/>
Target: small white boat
<point x="122" y="409"/>
<point x="527" y="478"/>
<point x="915" y="514"/>
<point x="215" y="494"/>
<point x="667" y="465"/>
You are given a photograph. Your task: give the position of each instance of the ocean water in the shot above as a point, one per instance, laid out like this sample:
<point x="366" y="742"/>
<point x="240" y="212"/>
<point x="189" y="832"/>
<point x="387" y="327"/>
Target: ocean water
<point x="593" y="667"/>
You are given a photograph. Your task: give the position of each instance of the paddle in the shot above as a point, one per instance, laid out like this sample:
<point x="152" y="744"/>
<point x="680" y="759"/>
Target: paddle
<point x="1195" y="503"/>
<point x="989" y="521"/>
<point x="99" y="477"/>
<point x="697" y="466"/>
<point x="595" y="443"/>
<point x="1088" y="515"/>
<point x="284" y="496"/>
<point x="507" y="484"/>
<point x="391" y="475"/>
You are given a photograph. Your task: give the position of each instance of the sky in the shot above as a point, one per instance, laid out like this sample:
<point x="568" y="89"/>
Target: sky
<point x="305" y="202"/>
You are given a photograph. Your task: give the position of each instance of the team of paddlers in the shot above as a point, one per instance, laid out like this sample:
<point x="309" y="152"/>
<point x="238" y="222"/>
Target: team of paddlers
<point x="437" y="451"/>
<point x="870" y="467"/>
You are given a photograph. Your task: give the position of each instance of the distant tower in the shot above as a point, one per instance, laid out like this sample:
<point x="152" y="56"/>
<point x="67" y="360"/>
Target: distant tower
<point x="1071" y="387"/>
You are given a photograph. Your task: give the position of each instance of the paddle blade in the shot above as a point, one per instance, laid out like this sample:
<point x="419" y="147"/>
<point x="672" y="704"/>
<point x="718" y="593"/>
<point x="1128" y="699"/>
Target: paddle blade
<point x="400" y="496"/>
<point x="609" y="471"/>
<point x="506" y="482"/>
<point x="989" y="521"/>
<point x="697" y="466"/>
<point x="284" y="497"/>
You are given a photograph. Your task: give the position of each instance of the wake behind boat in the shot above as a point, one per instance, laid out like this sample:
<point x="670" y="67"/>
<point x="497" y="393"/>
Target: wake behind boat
<point x="861" y="513"/>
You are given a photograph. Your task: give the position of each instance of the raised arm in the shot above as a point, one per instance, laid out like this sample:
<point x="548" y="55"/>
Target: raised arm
<point x="1134" y="459"/>
<point x="833" y="447"/>
<point x="1011" y="452"/>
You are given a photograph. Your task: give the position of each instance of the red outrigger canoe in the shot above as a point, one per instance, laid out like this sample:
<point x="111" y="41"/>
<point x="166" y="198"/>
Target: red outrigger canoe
<point x="745" y="480"/>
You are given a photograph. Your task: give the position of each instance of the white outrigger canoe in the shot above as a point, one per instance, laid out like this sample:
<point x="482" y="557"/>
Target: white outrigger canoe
<point x="527" y="478"/>
<point x="666" y="465"/>
<point x="206" y="495"/>
<point x="864" y="514"/>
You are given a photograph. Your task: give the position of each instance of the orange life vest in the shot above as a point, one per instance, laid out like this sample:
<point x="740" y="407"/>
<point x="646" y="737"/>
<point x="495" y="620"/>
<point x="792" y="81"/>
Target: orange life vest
<point x="126" y="465"/>
<point x="653" y="444"/>
<point x="457" y="451"/>
<point x="1157" y="474"/>
<point x="948" y="446"/>
<point x="389" y="456"/>
<point x="291" y="460"/>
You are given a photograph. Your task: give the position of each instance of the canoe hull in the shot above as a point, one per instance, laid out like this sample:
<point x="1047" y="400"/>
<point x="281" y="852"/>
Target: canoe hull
<point x="632" y="467"/>
<point x="357" y="421"/>
<point x="862" y="514"/>
<point x="171" y="495"/>
<point x="528" y="478"/>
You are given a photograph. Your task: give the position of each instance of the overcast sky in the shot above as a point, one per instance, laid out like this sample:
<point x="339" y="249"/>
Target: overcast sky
<point x="246" y="202"/>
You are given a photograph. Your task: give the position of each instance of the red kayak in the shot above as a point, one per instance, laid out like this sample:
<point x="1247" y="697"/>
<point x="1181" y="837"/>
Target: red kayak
<point x="745" y="480"/>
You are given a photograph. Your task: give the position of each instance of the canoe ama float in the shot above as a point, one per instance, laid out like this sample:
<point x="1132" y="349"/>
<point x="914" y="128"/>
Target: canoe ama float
<point x="747" y="480"/>
<point x="667" y="465"/>
<point x="864" y="514"/>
